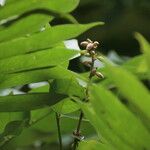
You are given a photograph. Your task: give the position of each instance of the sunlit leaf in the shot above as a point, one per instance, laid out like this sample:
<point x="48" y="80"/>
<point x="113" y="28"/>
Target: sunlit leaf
<point x="28" y="102"/>
<point x="119" y="119"/>
<point x="24" y="27"/>
<point x="136" y="93"/>
<point x="145" y="47"/>
<point x="46" y="58"/>
<point x="94" y="145"/>
<point x="16" y="8"/>
<point x="105" y="133"/>
<point x="33" y="76"/>
<point x="42" y="40"/>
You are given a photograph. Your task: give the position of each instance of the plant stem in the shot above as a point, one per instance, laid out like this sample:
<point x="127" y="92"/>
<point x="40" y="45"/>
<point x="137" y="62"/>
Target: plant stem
<point x="77" y="133"/>
<point x="79" y="123"/>
<point x="90" y="78"/>
<point x="91" y="68"/>
<point x="58" y="128"/>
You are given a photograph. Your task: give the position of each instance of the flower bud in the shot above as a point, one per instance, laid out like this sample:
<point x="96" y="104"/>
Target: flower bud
<point x="87" y="63"/>
<point x="100" y="75"/>
<point x="92" y="52"/>
<point x="89" y="46"/>
<point x="95" y="44"/>
<point x="84" y="43"/>
<point x="89" y="41"/>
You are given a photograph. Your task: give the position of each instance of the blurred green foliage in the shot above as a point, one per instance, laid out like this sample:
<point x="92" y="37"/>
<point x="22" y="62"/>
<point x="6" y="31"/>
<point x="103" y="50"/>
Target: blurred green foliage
<point x="32" y="50"/>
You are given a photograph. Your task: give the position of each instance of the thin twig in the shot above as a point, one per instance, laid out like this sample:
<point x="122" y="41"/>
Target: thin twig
<point x="79" y="124"/>
<point x="58" y="128"/>
<point x="90" y="51"/>
<point x="91" y="68"/>
<point x="77" y="133"/>
<point x="90" y="78"/>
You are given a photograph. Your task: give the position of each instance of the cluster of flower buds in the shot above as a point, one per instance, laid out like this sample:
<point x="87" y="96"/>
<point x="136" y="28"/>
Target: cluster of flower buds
<point x="98" y="74"/>
<point x="90" y="47"/>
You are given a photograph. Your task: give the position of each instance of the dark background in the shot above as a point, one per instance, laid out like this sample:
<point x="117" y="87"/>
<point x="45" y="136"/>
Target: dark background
<point x="122" y="18"/>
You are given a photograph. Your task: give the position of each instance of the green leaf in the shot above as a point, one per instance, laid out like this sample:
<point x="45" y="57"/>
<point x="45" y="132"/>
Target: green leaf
<point x="145" y="47"/>
<point x="135" y="92"/>
<point x="50" y="37"/>
<point x="105" y="133"/>
<point x="38" y="114"/>
<point x="12" y="130"/>
<point x="68" y="86"/>
<point x="28" y="135"/>
<point x="46" y="58"/>
<point x="33" y="76"/>
<point x="7" y="117"/>
<point x="24" y="27"/>
<point x="48" y="125"/>
<point x="18" y="7"/>
<point x="66" y="106"/>
<point x="28" y="101"/>
<point x="119" y="119"/>
<point x="138" y="66"/>
<point x="94" y="145"/>
<point x="45" y="130"/>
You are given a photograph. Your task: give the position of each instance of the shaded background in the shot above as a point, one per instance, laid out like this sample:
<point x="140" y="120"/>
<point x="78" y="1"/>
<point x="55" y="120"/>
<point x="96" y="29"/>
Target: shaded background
<point x="122" y="18"/>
